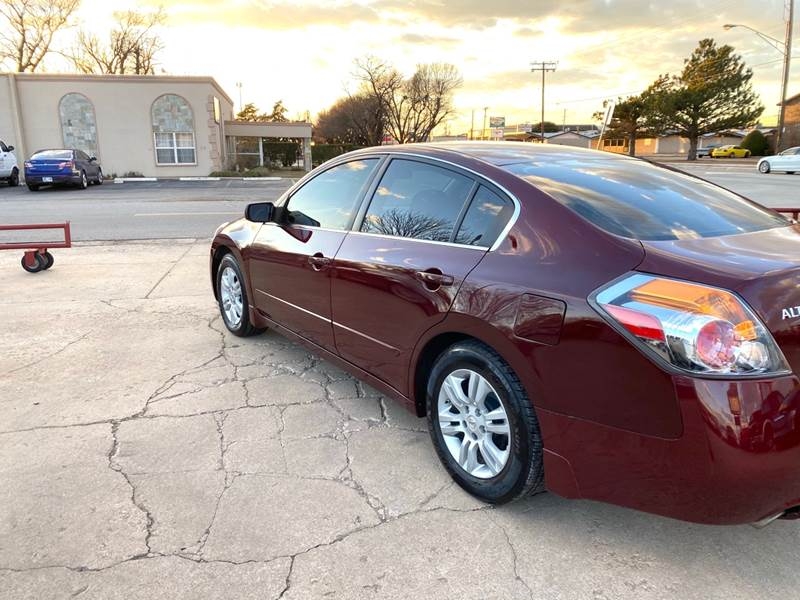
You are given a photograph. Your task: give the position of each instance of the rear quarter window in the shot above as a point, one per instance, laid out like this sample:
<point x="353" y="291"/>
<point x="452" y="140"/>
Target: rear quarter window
<point x="638" y="200"/>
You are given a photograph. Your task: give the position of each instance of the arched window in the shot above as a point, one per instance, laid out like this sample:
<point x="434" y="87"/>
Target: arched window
<point x="78" y="123"/>
<point x="173" y="131"/>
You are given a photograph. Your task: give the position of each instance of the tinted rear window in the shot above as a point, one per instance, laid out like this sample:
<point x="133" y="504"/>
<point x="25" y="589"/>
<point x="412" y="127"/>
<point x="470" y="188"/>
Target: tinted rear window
<point x="636" y="199"/>
<point x="66" y="154"/>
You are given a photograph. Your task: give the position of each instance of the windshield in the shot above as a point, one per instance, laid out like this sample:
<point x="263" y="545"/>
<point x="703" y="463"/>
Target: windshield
<point x="635" y="199"/>
<point x="65" y="154"/>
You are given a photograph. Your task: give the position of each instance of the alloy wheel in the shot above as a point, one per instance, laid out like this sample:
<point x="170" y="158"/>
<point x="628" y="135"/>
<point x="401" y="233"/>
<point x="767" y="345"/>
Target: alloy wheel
<point x="474" y="424"/>
<point x="231" y="296"/>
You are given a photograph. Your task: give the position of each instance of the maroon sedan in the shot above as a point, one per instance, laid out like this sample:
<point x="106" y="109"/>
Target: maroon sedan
<point x="566" y="319"/>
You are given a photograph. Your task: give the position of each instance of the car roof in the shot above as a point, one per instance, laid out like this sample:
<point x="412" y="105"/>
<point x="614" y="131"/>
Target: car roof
<point x="502" y="153"/>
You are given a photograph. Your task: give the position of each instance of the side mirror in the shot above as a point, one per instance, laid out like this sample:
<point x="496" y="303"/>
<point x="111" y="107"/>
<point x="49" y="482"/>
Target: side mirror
<point x="260" y="212"/>
<point x="92" y="158"/>
<point x="10" y="149"/>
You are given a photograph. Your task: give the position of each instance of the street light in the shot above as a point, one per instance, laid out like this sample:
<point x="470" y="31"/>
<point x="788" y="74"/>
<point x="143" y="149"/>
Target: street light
<point x="785" y="48"/>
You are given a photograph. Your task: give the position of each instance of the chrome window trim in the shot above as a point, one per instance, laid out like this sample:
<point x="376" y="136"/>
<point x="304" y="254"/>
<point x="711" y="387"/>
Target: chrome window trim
<point x="419" y="240"/>
<point x="376" y="153"/>
<point x="517" y="206"/>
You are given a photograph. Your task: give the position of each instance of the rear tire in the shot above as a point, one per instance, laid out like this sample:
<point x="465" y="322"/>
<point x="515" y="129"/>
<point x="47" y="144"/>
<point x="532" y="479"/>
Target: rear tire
<point x="33" y="188"/>
<point x="13" y="181"/>
<point x="99" y="180"/>
<point x="84" y="183"/>
<point x="232" y="298"/>
<point x="483" y="425"/>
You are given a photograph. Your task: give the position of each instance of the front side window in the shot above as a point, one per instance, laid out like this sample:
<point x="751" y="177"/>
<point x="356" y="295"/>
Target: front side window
<point x="331" y="198"/>
<point x="173" y="131"/>
<point x="417" y="200"/>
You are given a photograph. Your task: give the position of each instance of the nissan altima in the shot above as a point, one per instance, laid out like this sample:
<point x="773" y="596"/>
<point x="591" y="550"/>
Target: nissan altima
<point x="577" y="321"/>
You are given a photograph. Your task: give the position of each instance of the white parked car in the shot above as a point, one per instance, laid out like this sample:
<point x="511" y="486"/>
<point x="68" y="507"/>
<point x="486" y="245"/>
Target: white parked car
<point x="787" y="161"/>
<point x="9" y="170"/>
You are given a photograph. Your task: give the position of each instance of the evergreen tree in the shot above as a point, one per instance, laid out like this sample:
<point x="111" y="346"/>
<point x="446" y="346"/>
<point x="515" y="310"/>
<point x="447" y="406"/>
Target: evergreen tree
<point x="712" y="93"/>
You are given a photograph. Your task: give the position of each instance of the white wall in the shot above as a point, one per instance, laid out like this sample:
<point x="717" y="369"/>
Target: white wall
<point x="122" y="108"/>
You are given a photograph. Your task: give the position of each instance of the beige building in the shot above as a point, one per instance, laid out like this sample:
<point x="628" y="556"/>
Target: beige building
<point x="157" y="126"/>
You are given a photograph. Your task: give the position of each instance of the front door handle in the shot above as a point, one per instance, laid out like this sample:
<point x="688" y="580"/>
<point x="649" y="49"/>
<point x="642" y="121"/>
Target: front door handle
<point x="319" y="262"/>
<point x="433" y="279"/>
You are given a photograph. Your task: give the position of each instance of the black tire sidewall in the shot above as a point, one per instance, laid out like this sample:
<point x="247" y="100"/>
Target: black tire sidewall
<point x="244" y="324"/>
<point x="507" y="485"/>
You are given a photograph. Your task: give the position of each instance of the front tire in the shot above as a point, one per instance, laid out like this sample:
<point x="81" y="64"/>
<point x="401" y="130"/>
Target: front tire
<point x="764" y="167"/>
<point x="232" y="298"/>
<point x="483" y="425"/>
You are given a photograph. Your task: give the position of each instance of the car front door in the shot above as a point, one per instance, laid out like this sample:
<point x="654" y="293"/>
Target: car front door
<point x="398" y="275"/>
<point x="290" y="263"/>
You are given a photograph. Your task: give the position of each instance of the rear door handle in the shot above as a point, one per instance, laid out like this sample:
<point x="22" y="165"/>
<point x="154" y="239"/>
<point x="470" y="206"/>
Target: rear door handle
<point x="319" y="262"/>
<point x="433" y="279"/>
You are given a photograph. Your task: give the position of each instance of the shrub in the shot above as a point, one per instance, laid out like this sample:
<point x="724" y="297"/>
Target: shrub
<point x="323" y="152"/>
<point x="756" y="142"/>
<point x="132" y="174"/>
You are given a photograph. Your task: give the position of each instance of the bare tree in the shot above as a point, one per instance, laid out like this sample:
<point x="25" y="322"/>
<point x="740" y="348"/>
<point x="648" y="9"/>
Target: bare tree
<point x="412" y="108"/>
<point x="352" y="120"/>
<point x="131" y="48"/>
<point x="28" y="31"/>
<point x="407" y="223"/>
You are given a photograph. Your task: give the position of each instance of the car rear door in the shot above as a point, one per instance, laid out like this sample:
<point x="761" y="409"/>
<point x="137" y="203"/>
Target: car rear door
<point x="290" y="264"/>
<point x="398" y="274"/>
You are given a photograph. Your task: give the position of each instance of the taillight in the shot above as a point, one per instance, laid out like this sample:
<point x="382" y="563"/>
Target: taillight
<point x="696" y="328"/>
<point x="66" y="165"/>
<point x="28" y="164"/>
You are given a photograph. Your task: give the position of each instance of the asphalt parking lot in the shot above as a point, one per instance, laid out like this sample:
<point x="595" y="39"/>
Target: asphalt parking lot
<point x="147" y="453"/>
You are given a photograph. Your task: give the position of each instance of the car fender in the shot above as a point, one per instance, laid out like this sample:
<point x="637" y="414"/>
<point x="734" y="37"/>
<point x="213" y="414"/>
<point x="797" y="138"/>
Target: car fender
<point x="236" y="237"/>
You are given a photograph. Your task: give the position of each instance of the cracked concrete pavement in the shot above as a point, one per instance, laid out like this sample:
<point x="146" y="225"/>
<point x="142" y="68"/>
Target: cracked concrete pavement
<point x="146" y="453"/>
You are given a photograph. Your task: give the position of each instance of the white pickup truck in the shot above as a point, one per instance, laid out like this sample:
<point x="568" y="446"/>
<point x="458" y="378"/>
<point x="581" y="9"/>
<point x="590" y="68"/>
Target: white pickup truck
<point x="9" y="170"/>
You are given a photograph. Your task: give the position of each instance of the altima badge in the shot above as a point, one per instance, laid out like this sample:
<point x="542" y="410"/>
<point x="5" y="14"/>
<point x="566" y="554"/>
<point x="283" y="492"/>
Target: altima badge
<point x="791" y="313"/>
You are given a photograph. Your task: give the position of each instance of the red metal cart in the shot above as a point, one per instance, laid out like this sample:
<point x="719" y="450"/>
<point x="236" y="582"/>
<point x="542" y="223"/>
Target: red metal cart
<point x="37" y="256"/>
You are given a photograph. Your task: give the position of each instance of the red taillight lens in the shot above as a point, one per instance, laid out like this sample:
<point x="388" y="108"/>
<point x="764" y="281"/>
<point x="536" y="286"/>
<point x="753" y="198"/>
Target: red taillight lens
<point x="716" y="344"/>
<point x="694" y="327"/>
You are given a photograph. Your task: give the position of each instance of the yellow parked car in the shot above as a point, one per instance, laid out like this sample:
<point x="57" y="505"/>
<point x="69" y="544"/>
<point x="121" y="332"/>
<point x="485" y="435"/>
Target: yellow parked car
<point x="730" y="151"/>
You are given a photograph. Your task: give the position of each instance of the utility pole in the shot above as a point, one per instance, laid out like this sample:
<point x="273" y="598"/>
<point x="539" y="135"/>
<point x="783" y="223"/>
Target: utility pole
<point x="787" y="57"/>
<point x="544" y="67"/>
<point x="485" y="109"/>
<point x="472" y="126"/>
<point x="239" y="85"/>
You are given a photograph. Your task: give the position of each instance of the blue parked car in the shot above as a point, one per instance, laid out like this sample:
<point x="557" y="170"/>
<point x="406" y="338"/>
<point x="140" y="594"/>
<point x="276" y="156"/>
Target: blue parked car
<point x="62" y="167"/>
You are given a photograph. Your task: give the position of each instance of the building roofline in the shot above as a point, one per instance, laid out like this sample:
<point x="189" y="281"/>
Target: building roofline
<point x="121" y="79"/>
<point x="790" y="99"/>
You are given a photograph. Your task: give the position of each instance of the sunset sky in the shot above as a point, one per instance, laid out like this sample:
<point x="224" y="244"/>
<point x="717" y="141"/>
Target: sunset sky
<point x="302" y="51"/>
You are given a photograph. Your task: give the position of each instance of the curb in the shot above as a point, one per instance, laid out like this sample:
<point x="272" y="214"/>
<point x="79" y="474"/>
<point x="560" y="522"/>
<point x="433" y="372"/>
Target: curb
<point x="134" y="179"/>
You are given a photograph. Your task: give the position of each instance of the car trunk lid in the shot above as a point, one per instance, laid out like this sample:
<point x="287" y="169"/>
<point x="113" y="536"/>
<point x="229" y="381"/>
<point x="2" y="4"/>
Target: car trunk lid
<point x="762" y="267"/>
<point x="50" y="165"/>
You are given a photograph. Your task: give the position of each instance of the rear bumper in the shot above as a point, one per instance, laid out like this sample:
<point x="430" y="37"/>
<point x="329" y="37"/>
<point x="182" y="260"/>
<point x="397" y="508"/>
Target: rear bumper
<point x="738" y="460"/>
<point x="55" y="178"/>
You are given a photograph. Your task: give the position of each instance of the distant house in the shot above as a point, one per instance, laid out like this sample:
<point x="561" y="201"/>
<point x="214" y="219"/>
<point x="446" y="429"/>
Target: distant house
<point x="791" y="122"/>
<point x="569" y="138"/>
